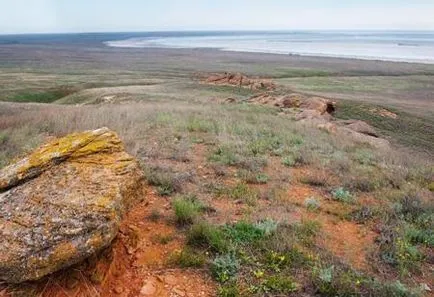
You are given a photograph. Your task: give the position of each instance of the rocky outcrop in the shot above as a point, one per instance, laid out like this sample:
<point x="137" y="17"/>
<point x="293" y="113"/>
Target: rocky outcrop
<point x="295" y="100"/>
<point x="240" y="80"/>
<point x="360" y="127"/>
<point x="63" y="203"/>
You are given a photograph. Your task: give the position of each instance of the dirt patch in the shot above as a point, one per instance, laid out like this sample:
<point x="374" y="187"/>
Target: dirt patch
<point x="350" y="242"/>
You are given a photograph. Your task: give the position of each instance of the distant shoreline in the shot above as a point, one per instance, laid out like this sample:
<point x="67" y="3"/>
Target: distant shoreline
<point x="307" y="55"/>
<point x="395" y="46"/>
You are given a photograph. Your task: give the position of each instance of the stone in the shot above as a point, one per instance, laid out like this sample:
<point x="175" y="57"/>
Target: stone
<point x="63" y="203"/>
<point x="178" y="292"/>
<point x="360" y="127"/>
<point x="148" y="289"/>
<point x="321" y="105"/>
<point x="170" y="280"/>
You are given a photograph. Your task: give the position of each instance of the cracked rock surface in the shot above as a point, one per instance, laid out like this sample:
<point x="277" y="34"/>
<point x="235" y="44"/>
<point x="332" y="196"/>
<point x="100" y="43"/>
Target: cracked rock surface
<point x="63" y="203"/>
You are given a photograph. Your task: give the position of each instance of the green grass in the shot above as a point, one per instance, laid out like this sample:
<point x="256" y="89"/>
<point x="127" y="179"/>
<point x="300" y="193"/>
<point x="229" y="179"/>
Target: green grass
<point x="188" y="258"/>
<point x="42" y="96"/>
<point x="187" y="209"/>
<point x="407" y="129"/>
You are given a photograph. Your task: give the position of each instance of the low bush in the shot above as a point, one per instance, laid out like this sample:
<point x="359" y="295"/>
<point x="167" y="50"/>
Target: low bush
<point x="207" y="236"/>
<point x="187" y="209"/>
<point x="242" y="192"/>
<point x="312" y="204"/>
<point x="187" y="258"/>
<point x="225" y="267"/>
<point x="166" y="181"/>
<point x="342" y="195"/>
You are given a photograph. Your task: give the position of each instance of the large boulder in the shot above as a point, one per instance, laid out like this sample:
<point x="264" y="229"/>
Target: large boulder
<point x="319" y="104"/>
<point x="63" y="203"/>
<point x="360" y="127"/>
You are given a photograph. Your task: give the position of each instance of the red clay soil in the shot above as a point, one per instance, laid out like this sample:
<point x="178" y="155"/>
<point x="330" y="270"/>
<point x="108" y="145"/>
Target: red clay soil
<point x="347" y="240"/>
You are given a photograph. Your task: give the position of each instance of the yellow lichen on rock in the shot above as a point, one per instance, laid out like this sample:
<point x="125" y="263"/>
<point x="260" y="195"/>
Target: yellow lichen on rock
<point x="64" y="202"/>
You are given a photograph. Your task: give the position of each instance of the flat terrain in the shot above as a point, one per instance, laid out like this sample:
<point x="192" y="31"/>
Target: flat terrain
<point x="242" y="199"/>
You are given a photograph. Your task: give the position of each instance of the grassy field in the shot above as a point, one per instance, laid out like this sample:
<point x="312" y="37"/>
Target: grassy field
<point x="263" y="204"/>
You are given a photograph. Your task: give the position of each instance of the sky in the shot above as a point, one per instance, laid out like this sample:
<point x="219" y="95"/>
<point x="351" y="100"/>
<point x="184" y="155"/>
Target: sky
<point x="59" y="16"/>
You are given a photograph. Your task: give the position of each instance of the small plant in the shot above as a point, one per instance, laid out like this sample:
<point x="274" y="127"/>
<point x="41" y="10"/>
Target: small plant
<point x="243" y="232"/>
<point x="312" y="204"/>
<point x="162" y="239"/>
<point x="242" y="192"/>
<point x="364" y="157"/>
<point x="279" y="284"/>
<point x="164" y="179"/>
<point x="251" y="177"/>
<point x="187" y="258"/>
<point x="225" y="267"/>
<point x="342" y="195"/>
<point x="229" y="289"/>
<point x="306" y="231"/>
<point x="288" y="161"/>
<point x="268" y="227"/>
<point x="224" y="155"/>
<point x="365" y="213"/>
<point x="261" y="178"/>
<point x="195" y="124"/>
<point x="187" y="209"/>
<point x="316" y="179"/>
<point x="155" y="215"/>
<point x="205" y="235"/>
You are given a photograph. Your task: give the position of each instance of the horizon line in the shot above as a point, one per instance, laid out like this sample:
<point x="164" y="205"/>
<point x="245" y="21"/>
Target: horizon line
<point x="218" y="30"/>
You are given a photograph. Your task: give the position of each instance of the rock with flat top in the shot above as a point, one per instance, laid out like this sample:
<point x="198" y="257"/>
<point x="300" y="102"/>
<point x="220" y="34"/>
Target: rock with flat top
<point x="360" y="127"/>
<point x="64" y="202"/>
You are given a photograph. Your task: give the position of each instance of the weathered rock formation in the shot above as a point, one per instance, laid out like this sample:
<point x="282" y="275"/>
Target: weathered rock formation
<point x="63" y="203"/>
<point x="240" y="80"/>
<point x="318" y="112"/>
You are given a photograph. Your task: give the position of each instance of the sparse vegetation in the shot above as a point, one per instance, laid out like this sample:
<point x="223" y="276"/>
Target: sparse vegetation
<point x="256" y="176"/>
<point x="342" y="195"/>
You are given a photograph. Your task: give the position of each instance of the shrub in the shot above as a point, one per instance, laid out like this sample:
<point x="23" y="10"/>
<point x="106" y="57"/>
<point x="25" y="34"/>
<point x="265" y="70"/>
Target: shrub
<point x="229" y="289"/>
<point x="164" y="179"/>
<point x="268" y="227"/>
<point x="243" y="232"/>
<point x="187" y="258"/>
<point x="200" y="125"/>
<point x="288" y="161"/>
<point x="225" y="267"/>
<point x="312" y="204"/>
<point x="306" y="231"/>
<point x="253" y="177"/>
<point x="342" y="195"/>
<point x="155" y="215"/>
<point x="397" y="250"/>
<point x="362" y="214"/>
<point x="364" y="157"/>
<point x="279" y="284"/>
<point x="316" y="179"/>
<point x="204" y="235"/>
<point x="224" y="155"/>
<point x="242" y="192"/>
<point x="187" y="209"/>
